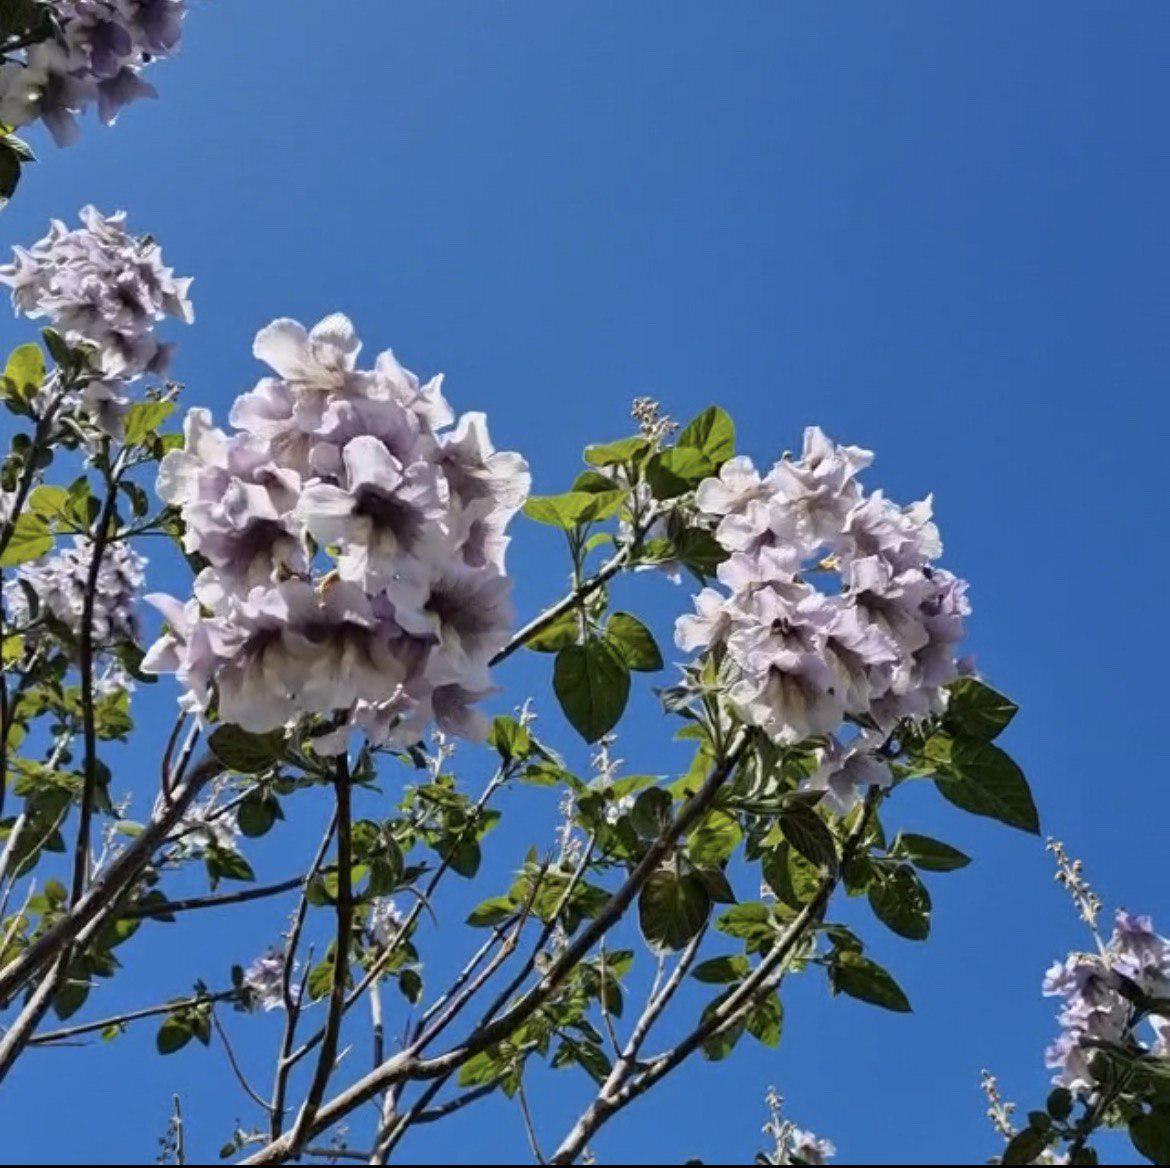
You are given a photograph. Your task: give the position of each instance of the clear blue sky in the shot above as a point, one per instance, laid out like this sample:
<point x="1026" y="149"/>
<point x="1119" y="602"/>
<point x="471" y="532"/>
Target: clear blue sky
<point x="937" y="230"/>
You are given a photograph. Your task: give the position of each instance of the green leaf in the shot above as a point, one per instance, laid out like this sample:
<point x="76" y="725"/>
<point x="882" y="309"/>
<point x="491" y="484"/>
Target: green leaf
<point x="700" y="551"/>
<point x="26" y="367"/>
<point x="712" y="433"/>
<point x="244" y="752"/>
<point x="672" y="909"/>
<point x="673" y="472"/>
<point x="480" y="1070"/>
<point x="411" y="984"/>
<point x="901" y="902"/>
<point x="1151" y="1136"/>
<point x="722" y="970"/>
<point x="806" y="831"/>
<point x="753" y="922"/>
<point x="493" y="911"/>
<point x="31" y="538"/>
<point x="634" y="642"/>
<point x="651" y="812"/>
<point x="592" y="683"/>
<point x="984" y="780"/>
<point x="930" y="855"/>
<point x="558" y="635"/>
<point x="718" y="1046"/>
<point x="511" y="740"/>
<point x="766" y="1020"/>
<point x="1025" y="1146"/>
<point x="614" y="453"/>
<point x="257" y="813"/>
<point x="70" y="997"/>
<point x="226" y="864"/>
<point x="143" y="419"/>
<point x="574" y="508"/>
<point x="1060" y="1103"/>
<point x="714" y="840"/>
<point x="865" y="980"/>
<point x="48" y="502"/>
<point x="975" y="710"/>
<point x="173" y="1035"/>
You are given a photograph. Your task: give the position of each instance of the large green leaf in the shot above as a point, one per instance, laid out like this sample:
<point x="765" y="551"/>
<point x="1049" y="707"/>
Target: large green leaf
<point x="865" y="980"/>
<point x="673" y="472"/>
<point x="615" y="453"/>
<point x="806" y="831"/>
<point x="31" y="538"/>
<point x="765" y="1020"/>
<point x="244" y="752"/>
<point x="929" y="854"/>
<point x="712" y="433"/>
<point x="592" y="683"/>
<point x="26" y="367"/>
<point x="634" y="641"/>
<point x="984" y="780"/>
<point x="975" y="710"/>
<point x="901" y="902"/>
<point x="672" y="908"/>
<point x="573" y="508"/>
<point x="143" y="419"/>
<point x="722" y="970"/>
<point x="1151" y="1136"/>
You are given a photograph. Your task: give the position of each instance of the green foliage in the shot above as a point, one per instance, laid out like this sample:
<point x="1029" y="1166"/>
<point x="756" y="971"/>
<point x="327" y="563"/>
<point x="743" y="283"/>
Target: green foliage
<point x="976" y="711"/>
<point x="858" y="977"/>
<point x="633" y="642"/>
<point x="592" y="683"/>
<point x="672" y="908"/>
<point x="983" y="779"/>
<point x="930" y="855"/>
<point x="244" y="752"/>
<point x="31" y="538"/>
<point x="900" y="900"/>
<point x="574" y="509"/>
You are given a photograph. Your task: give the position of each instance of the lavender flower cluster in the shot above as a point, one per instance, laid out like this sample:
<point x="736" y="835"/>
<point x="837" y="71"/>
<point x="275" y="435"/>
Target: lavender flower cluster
<point x="97" y="56"/>
<point x="1096" y="1010"/>
<point x="263" y="982"/>
<point x="59" y="582"/>
<point x="354" y="536"/>
<point x="101" y="286"/>
<point x="799" y="658"/>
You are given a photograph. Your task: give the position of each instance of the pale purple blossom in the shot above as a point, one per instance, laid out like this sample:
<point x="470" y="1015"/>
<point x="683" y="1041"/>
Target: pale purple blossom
<point x="97" y="58"/>
<point x="60" y="582"/>
<point x="829" y="606"/>
<point x="845" y="771"/>
<point x="356" y="549"/>
<point x="98" y="285"/>
<point x="263" y="982"/>
<point x="1098" y="991"/>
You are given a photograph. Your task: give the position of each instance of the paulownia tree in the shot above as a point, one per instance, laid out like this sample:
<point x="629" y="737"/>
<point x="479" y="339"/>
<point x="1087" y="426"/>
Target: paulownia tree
<point x="349" y="601"/>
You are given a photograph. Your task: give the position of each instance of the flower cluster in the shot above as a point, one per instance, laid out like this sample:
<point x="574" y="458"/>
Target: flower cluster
<point x="385" y="922"/>
<point x="204" y="826"/>
<point x="59" y="584"/>
<point x="263" y="982"/>
<point x="100" y="286"/>
<point x="831" y="608"/>
<point x="96" y="55"/>
<point x="1099" y="991"/>
<point x="354" y="537"/>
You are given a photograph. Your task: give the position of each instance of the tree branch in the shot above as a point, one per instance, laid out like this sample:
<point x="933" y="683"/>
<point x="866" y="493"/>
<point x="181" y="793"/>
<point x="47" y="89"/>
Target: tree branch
<point x="408" y="1066"/>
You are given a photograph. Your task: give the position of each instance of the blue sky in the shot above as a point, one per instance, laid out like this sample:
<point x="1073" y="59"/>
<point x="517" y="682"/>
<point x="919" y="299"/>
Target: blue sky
<point x="936" y="230"/>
